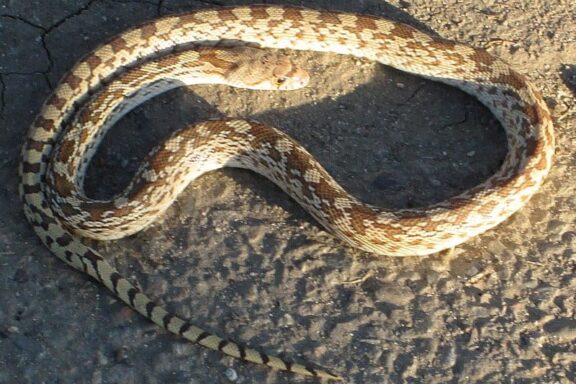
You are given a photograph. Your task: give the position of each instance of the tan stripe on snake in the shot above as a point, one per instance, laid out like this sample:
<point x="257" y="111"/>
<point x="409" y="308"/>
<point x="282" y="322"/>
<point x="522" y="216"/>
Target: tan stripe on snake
<point x="62" y="140"/>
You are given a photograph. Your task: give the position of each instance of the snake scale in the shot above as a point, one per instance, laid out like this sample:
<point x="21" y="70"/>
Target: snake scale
<point x="72" y="121"/>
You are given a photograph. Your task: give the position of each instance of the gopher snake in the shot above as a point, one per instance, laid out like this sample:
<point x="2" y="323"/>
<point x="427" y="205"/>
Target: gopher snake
<point x="59" y="211"/>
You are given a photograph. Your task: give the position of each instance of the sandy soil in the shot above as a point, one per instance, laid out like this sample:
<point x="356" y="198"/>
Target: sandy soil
<point x="239" y="257"/>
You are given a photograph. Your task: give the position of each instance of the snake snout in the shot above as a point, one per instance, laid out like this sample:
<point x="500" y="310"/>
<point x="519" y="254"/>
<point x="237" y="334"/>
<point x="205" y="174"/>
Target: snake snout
<point x="290" y="76"/>
<point x="300" y="78"/>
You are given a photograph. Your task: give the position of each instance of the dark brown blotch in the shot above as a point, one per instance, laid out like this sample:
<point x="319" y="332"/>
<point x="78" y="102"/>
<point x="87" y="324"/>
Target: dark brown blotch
<point x="167" y="319"/>
<point x="115" y="277"/>
<point x="57" y="102"/>
<point x="31" y="189"/>
<point x="365" y="22"/>
<point x="265" y="359"/>
<point x="403" y="31"/>
<point x="118" y="44"/>
<point x="328" y="18"/>
<point x="35" y="145"/>
<point x="46" y="124"/>
<point x="442" y="44"/>
<point x="84" y="135"/>
<point x="30" y="167"/>
<point x="293" y="14"/>
<point x="226" y="14"/>
<point x="480" y="56"/>
<point x="202" y="336"/>
<point x="513" y="79"/>
<point x="68" y="209"/>
<point x="148" y="31"/>
<point x="73" y="81"/>
<point x="149" y="309"/>
<point x="184" y="328"/>
<point x="64" y="240"/>
<point x="62" y="185"/>
<point x="96" y="210"/>
<point x="66" y="150"/>
<point x="93" y="61"/>
<point x="259" y="13"/>
<point x="132" y="295"/>
<point x="93" y="257"/>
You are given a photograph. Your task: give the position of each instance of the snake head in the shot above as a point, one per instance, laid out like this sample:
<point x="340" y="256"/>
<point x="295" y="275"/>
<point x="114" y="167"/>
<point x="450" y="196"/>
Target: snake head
<point x="256" y="68"/>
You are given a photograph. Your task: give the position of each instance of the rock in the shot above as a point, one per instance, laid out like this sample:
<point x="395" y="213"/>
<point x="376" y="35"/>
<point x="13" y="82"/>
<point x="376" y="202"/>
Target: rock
<point x="121" y="356"/>
<point x="286" y="321"/>
<point x="563" y="328"/>
<point x="396" y="295"/>
<point x="448" y="356"/>
<point x="27" y="344"/>
<point x="485" y="298"/>
<point x="231" y="374"/>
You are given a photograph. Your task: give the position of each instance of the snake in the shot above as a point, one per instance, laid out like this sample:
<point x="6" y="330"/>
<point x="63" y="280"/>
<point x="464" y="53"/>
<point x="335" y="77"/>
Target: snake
<point x="221" y="46"/>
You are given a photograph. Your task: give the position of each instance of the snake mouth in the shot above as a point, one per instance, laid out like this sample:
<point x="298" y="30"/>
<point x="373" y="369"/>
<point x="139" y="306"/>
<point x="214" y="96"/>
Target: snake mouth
<point x="289" y="75"/>
<point x="299" y="78"/>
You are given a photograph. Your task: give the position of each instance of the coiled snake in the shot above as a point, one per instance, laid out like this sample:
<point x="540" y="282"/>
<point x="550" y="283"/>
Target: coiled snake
<point x="125" y="71"/>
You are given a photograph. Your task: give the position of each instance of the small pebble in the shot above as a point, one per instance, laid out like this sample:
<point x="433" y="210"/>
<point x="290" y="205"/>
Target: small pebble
<point x="231" y="374"/>
<point x="21" y="276"/>
<point x="488" y="11"/>
<point x="448" y="356"/>
<point x="27" y="344"/>
<point x="456" y="20"/>
<point x="404" y="4"/>
<point x="121" y="356"/>
<point x="474" y="336"/>
<point x="485" y="298"/>
<point x="472" y="271"/>
<point x="286" y="321"/>
<point x="479" y="312"/>
<point x="101" y="358"/>
<point x="432" y="277"/>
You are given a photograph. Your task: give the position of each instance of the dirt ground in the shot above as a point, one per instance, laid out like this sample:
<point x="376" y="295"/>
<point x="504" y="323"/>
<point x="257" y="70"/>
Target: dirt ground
<point x="239" y="257"/>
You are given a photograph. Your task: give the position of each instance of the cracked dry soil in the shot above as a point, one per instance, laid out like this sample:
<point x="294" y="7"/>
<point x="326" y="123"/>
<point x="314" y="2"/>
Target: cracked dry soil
<point x="237" y="256"/>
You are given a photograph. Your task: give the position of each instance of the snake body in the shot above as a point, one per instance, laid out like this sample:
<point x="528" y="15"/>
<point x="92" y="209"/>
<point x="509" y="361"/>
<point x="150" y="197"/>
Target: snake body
<point x="54" y="157"/>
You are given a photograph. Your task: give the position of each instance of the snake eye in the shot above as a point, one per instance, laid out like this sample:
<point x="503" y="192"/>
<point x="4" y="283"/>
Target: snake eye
<point x="281" y="80"/>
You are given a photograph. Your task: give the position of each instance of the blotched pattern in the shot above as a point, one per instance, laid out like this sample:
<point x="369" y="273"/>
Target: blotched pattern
<point x="59" y="211"/>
